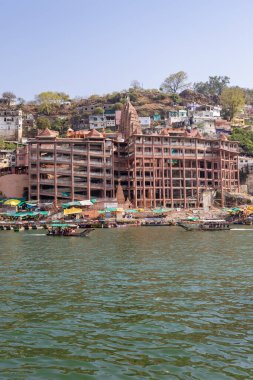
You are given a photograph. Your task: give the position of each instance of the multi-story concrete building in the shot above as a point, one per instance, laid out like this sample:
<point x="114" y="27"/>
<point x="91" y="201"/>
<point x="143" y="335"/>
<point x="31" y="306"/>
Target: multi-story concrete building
<point x="174" y="171"/>
<point x="11" y="125"/>
<point x="63" y="169"/>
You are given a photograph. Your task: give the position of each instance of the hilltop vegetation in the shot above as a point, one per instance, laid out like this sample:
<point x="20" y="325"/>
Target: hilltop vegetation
<point x="245" y="139"/>
<point x="55" y="110"/>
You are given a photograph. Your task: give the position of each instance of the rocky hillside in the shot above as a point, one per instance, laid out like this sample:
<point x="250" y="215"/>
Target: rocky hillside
<point x="74" y="113"/>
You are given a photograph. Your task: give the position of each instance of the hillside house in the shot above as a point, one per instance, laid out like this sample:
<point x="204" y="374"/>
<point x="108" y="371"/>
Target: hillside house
<point x="176" y="116"/>
<point x="97" y="121"/>
<point x="11" y="125"/>
<point x="7" y="158"/>
<point x="206" y="112"/>
<point x="145" y="121"/>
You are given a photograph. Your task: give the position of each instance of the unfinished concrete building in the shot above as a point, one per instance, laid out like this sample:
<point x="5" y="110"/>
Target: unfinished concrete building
<point x="68" y="169"/>
<point x="173" y="169"/>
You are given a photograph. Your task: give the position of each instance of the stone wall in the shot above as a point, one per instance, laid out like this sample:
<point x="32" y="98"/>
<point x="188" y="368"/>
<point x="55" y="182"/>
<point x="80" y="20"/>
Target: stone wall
<point x="13" y="185"/>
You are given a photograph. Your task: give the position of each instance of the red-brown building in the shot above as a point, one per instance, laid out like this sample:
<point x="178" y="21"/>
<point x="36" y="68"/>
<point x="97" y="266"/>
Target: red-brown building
<point x="63" y="169"/>
<point x="160" y="170"/>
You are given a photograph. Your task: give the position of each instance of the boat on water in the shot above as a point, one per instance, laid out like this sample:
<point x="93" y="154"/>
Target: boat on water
<point x="205" y="225"/>
<point x="68" y="230"/>
<point x="155" y="222"/>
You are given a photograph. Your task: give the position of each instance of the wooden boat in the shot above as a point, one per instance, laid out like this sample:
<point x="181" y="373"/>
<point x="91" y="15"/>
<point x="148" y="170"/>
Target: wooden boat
<point x="205" y="225"/>
<point x="68" y="230"/>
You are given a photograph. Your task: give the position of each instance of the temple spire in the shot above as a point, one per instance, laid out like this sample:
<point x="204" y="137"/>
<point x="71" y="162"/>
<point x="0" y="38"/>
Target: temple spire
<point x="130" y="123"/>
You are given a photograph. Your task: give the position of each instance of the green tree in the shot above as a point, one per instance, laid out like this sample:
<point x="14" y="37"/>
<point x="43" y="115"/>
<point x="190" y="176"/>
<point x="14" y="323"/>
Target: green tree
<point x="133" y="96"/>
<point x="232" y="101"/>
<point x="49" y="100"/>
<point x="118" y="106"/>
<point x="7" y="145"/>
<point x="176" y="98"/>
<point x="57" y="125"/>
<point x="114" y="97"/>
<point x="43" y="123"/>
<point x="245" y="139"/>
<point x="248" y="93"/>
<point x="98" y="111"/>
<point x="213" y="87"/>
<point x="135" y="84"/>
<point x="175" y="83"/>
<point x="61" y="126"/>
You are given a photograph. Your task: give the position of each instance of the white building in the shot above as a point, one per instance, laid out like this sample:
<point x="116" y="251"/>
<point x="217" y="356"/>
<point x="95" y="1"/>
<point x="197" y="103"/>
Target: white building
<point x="145" y="121"/>
<point x="207" y="112"/>
<point x="176" y="116"/>
<point x="97" y="121"/>
<point x="106" y="120"/>
<point x="7" y="158"/>
<point x="245" y="163"/>
<point x="92" y="107"/>
<point x="11" y="125"/>
<point x="205" y="126"/>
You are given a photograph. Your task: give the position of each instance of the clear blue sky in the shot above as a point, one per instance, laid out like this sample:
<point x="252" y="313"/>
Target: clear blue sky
<point x="85" y="47"/>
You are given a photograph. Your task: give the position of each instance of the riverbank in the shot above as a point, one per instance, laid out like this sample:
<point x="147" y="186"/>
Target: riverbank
<point x="242" y="215"/>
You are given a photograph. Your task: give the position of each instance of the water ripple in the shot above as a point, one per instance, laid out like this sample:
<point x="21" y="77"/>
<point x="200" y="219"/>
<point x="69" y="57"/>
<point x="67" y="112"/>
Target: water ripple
<point x="133" y="303"/>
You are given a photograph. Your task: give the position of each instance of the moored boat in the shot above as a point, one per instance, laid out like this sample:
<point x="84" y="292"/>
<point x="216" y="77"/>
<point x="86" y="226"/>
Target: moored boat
<point x="205" y="225"/>
<point x="68" y="230"/>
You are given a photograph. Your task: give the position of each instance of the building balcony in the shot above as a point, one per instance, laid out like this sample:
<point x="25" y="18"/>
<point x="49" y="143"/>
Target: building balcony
<point x="63" y="171"/>
<point x="82" y="185"/>
<point x="62" y="161"/>
<point x="94" y="174"/>
<point x="46" y="170"/>
<point x="80" y="173"/>
<point x="96" y="152"/>
<point x="46" y="159"/>
<point x="100" y="164"/>
<point x="80" y="151"/>
<point x="46" y="181"/>
<point x="80" y="162"/>
<point x="47" y="192"/>
<point x="45" y="149"/>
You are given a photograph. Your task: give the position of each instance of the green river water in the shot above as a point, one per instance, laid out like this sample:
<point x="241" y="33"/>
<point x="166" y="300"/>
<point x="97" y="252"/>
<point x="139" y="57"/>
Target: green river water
<point x="129" y="303"/>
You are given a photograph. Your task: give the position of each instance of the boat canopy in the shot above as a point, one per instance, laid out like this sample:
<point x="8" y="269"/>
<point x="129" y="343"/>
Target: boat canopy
<point x="25" y="213"/>
<point x="72" y="210"/>
<point x="162" y="209"/>
<point x="14" y="202"/>
<point x="77" y="203"/>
